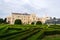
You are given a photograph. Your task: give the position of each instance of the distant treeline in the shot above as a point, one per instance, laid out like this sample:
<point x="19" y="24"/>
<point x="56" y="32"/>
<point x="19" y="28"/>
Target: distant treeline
<point x="3" y="21"/>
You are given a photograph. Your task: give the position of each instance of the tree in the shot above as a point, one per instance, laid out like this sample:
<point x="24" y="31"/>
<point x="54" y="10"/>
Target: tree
<point x="5" y="21"/>
<point x="54" y="18"/>
<point x="1" y="20"/>
<point x="38" y="23"/>
<point x="18" y="21"/>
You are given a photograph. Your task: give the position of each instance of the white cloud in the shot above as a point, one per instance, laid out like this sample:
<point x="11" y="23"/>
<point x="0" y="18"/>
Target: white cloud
<point x="38" y="4"/>
<point x="7" y="0"/>
<point x="21" y="2"/>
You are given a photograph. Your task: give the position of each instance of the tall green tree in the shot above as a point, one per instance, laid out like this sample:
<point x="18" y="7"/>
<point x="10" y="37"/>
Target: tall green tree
<point x="5" y="20"/>
<point x="54" y="18"/>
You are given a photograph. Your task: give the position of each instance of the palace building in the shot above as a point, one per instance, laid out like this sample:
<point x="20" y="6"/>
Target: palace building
<point x="25" y="18"/>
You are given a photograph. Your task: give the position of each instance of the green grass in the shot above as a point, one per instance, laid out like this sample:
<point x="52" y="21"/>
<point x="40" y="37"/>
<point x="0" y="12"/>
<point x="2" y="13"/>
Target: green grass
<point x="52" y="37"/>
<point x="28" y="32"/>
<point x="35" y="37"/>
<point x="25" y="36"/>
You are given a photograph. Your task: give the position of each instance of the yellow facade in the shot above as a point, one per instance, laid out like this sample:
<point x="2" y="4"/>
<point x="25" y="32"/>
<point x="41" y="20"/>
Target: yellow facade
<point x="24" y="17"/>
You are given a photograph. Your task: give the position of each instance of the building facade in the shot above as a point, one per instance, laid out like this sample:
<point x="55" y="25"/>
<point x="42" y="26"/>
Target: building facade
<point x="25" y="18"/>
<point x="53" y="21"/>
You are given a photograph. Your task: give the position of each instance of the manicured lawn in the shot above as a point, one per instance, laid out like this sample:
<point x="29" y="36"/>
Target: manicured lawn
<point x="29" y="32"/>
<point x="52" y="37"/>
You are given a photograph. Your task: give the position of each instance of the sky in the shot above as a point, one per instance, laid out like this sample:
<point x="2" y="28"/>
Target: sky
<point x="39" y="7"/>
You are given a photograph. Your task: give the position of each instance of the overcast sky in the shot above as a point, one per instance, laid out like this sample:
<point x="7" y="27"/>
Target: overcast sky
<point x="39" y="7"/>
